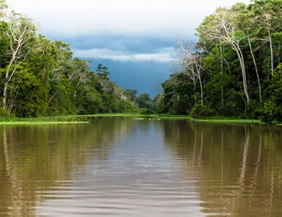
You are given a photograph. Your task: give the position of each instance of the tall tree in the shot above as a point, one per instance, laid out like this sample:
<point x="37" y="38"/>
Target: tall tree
<point x="192" y="60"/>
<point x="20" y="31"/>
<point x="221" y="26"/>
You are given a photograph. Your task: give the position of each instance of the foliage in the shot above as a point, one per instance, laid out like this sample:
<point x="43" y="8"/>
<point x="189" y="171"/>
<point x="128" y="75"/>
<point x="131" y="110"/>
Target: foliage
<point x="234" y="70"/>
<point x="144" y="111"/>
<point x="240" y="48"/>
<point x="144" y="101"/>
<point x="273" y="104"/>
<point x="201" y="111"/>
<point x="40" y="77"/>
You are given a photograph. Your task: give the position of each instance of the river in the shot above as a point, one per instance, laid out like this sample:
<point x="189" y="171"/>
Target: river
<point x="130" y="167"/>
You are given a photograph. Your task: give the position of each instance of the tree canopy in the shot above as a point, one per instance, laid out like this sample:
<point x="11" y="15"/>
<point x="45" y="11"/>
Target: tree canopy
<point x="40" y="77"/>
<point x="234" y="69"/>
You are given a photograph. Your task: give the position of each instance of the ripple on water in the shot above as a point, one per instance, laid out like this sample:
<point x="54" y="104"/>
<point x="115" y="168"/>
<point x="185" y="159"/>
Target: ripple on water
<point x="125" y="167"/>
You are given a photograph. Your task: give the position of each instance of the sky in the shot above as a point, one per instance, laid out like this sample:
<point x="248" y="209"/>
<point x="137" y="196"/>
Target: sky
<point x="136" y="39"/>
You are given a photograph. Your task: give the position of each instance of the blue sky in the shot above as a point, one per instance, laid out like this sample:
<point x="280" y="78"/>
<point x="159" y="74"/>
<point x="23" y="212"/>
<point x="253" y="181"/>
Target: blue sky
<point x="136" y="39"/>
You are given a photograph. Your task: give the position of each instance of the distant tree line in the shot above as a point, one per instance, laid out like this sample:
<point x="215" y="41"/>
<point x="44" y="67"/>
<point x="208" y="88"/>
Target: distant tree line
<point x="234" y="69"/>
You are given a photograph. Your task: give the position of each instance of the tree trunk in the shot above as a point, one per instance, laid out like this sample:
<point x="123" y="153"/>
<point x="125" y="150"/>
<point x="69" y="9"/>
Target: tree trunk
<point x="195" y="97"/>
<point x="8" y="76"/>
<point x="221" y="72"/>
<point x="256" y="68"/>
<point x="7" y="79"/>
<point x="271" y="50"/>
<point x="202" y="91"/>
<point x="4" y="100"/>
<point x="243" y="70"/>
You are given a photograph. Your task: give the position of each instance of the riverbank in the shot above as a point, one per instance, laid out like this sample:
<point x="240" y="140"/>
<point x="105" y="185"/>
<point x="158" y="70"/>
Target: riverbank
<point x="84" y="119"/>
<point x="6" y="121"/>
<point x="180" y="117"/>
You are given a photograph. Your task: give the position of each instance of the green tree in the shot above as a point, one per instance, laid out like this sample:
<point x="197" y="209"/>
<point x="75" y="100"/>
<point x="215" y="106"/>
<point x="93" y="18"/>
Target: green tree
<point x="144" y="101"/>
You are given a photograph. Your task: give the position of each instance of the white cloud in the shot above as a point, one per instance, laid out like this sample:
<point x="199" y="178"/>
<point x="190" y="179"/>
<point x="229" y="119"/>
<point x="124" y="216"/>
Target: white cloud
<point x="128" y="19"/>
<point x="165" y="55"/>
<point x="166" y="18"/>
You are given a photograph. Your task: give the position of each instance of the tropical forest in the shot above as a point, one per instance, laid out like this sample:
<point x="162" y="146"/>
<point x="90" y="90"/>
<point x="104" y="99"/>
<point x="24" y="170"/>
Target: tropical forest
<point x="233" y="70"/>
<point x="141" y="108"/>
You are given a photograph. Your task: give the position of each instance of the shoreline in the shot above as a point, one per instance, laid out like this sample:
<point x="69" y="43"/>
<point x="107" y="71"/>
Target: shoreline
<point x="84" y="119"/>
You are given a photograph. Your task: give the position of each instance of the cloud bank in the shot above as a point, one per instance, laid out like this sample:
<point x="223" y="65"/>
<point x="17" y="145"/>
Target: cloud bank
<point x="164" y="55"/>
<point x="124" y="30"/>
<point x="165" y="18"/>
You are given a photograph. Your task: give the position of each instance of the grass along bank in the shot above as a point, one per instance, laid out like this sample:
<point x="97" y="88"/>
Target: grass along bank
<point x="84" y="119"/>
<point x="178" y="117"/>
<point x="6" y="121"/>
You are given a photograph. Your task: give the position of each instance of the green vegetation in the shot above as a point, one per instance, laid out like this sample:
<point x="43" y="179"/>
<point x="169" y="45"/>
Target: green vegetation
<point x="39" y="77"/>
<point x="235" y="68"/>
<point x="83" y="119"/>
<point x="8" y="123"/>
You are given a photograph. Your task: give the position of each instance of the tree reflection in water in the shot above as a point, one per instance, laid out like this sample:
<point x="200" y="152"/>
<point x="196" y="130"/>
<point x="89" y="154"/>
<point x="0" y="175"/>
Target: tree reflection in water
<point x="238" y="167"/>
<point x="37" y="159"/>
<point x="223" y="169"/>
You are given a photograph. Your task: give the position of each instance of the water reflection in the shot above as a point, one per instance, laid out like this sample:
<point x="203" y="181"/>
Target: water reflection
<point x="127" y="167"/>
<point x="237" y="168"/>
<point x="42" y="158"/>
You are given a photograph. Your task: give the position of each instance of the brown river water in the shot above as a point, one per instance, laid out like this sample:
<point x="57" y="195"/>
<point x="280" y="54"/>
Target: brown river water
<point x="127" y="167"/>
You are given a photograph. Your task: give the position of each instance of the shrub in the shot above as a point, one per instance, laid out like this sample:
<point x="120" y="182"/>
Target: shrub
<point x="3" y="113"/>
<point x="145" y="111"/>
<point x="201" y="111"/>
<point x="255" y="110"/>
<point x="270" y="112"/>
